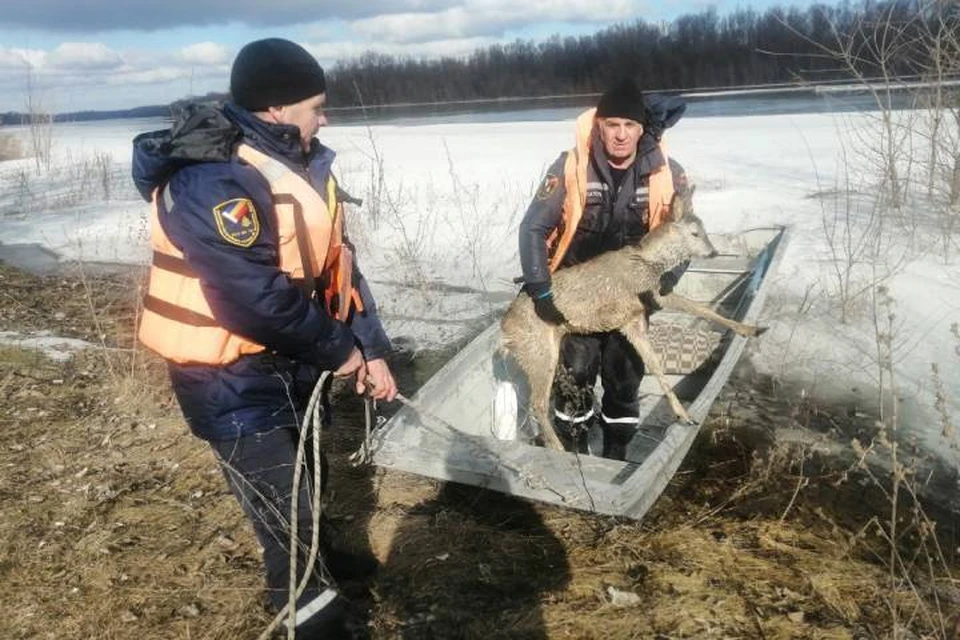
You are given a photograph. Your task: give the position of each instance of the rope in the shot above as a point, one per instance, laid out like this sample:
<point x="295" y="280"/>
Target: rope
<point x="312" y="424"/>
<point x="364" y="455"/>
<point x="312" y="419"/>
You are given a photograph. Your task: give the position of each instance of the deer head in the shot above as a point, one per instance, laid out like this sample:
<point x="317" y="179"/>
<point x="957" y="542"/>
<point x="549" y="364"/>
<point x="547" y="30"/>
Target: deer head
<point x="696" y="243"/>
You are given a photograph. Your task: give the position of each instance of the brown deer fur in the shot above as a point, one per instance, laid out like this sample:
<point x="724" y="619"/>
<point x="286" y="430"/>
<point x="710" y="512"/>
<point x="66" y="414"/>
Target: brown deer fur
<point x="615" y="291"/>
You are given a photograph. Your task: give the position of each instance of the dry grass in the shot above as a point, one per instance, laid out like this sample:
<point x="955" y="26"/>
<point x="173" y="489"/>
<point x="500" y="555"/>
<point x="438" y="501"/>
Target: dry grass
<point x="112" y="513"/>
<point x="11" y="147"/>
<point x="116" y="523"/>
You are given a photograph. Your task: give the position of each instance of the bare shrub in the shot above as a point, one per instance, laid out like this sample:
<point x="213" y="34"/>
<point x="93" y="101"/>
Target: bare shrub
<point x="473" y="223"/>
<point x="40" y="123"/>
<point x="939" y="46"/>
<point x="377" y="195"/>
<point x="904" y="539"/>
<point x="89" y="177"/>
<point x="871" y="53"/>
<point x="20" y="197"/>
<point x="909" y="148"/>
<point x="899" y="176"/>
<point x="864" y="249"/>
<point x="68" y="182"/>
<point x="408" y="254"/>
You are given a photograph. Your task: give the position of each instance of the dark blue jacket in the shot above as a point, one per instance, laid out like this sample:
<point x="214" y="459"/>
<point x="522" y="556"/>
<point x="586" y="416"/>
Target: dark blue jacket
<point x="244" y="286"/>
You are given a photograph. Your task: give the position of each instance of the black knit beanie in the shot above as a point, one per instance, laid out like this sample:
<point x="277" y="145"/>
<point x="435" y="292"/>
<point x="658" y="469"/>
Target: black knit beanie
<point x="274" y="73"/>
<point x="623" y="100"/>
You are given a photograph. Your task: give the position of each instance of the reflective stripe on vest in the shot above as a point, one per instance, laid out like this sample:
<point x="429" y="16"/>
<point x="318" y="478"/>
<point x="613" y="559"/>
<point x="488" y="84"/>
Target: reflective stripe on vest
<point x="575" y="181"/>
<point x="177" y="322"/>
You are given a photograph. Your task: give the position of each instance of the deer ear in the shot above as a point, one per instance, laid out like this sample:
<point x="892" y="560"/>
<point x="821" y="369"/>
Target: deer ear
<point x="682" y="203"/>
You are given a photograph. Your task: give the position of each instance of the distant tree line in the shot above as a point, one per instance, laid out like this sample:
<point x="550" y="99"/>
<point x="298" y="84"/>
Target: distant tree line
<point x="694" y="51"/>
<point x="699" y="50"/>
<point x="153" y="111"/>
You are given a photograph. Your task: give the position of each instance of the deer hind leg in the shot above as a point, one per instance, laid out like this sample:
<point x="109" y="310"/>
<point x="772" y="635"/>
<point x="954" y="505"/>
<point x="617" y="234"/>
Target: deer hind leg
<point x="679" y="303"/>
<point x="539" y="363"/>
<point x="636" y="334"/>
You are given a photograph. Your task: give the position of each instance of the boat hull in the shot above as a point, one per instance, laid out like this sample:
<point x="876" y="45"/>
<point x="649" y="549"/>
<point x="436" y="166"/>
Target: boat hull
<point x="447" y="431"/>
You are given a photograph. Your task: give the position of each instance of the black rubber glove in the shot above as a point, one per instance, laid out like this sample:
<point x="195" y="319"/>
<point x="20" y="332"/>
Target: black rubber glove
<point x="547" y="310"/>
<point x="667" y="282"/>
<point x="543" y="303"/>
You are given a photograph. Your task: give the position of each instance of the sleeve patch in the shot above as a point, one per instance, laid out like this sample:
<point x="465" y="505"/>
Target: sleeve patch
<point x="548" y="186"/>
<point x="237" y="221"/>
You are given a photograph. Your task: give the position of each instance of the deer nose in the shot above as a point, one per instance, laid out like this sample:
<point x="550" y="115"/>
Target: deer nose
<point x="713" y="254"/>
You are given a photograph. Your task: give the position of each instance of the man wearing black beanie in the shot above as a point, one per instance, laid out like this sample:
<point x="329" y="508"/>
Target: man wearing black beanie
<point x="253" y="293"/>
<point x="281" y="83"/>
<point x="607" y="192"/>
<point x="273" y="72"/>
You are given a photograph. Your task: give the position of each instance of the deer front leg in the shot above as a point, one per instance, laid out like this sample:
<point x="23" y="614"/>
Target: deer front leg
<point x="679" y="303"/>
<point x="636" y="334"/>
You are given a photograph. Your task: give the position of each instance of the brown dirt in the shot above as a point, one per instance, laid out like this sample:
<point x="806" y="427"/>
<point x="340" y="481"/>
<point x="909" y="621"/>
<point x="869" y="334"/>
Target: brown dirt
<point x="116" y="523"/>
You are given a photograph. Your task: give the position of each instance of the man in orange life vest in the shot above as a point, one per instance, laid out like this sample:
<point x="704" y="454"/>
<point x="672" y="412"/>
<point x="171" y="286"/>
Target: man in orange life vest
<point x="606" y="192"/>
<point x="253" y="291"/>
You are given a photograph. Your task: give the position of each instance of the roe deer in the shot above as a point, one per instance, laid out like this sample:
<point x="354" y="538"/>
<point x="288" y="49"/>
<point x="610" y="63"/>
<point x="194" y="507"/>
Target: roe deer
<point x="615" y="291"/>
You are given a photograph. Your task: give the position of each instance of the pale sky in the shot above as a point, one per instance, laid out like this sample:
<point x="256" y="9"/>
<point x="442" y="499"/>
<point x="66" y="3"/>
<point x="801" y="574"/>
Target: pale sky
<point x="113" y="54"/>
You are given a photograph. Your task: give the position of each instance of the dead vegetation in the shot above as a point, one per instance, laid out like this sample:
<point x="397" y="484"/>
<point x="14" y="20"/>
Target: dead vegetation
<point x="116" y="523"/>
<point x="11" y="147"/>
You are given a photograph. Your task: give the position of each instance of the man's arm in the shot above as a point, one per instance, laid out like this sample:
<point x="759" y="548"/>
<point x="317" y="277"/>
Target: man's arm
<point x="368" y="329"/>
<point x="366" y="325"/>
<point x="243" y="285"/>
<point x="544" y="214"/>
<point x="378" y="380"/>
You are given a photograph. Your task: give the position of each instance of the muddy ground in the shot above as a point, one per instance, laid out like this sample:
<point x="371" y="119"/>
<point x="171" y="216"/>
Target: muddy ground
<point x="116" y="523"/>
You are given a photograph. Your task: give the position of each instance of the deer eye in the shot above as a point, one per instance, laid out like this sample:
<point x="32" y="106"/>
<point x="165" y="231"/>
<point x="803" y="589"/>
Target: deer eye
<point x="695" y="234"/>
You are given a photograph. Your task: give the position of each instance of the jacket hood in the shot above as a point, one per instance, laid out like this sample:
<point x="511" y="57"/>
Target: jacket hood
<point x="663" y="112"/>
<point x="205" y="132"/>
<point x="200" y="133"/>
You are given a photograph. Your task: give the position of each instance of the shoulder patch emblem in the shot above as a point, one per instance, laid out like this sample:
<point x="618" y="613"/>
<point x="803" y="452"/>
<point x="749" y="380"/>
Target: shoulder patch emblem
<point x="237" y="221"/>
<point x="548" y="186"/>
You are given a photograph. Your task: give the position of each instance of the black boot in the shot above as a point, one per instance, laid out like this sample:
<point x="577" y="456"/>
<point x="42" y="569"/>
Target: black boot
<point x="573" y="436"/>
<point x="344" y="564"/>
<point x="323" y="618"/>
<point x="322" y="613"/>
<point x="616" y="437"/>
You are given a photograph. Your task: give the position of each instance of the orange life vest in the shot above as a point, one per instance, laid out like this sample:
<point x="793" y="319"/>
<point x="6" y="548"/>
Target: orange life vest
<point x="177" y="322"/>
<point x="575" y="181"/>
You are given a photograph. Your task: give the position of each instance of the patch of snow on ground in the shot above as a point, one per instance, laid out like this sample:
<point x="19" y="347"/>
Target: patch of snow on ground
<point x="54" y="347"/>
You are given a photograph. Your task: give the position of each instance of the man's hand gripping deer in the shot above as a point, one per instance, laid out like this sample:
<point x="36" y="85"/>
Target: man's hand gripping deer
<point x="615" y="291"/>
